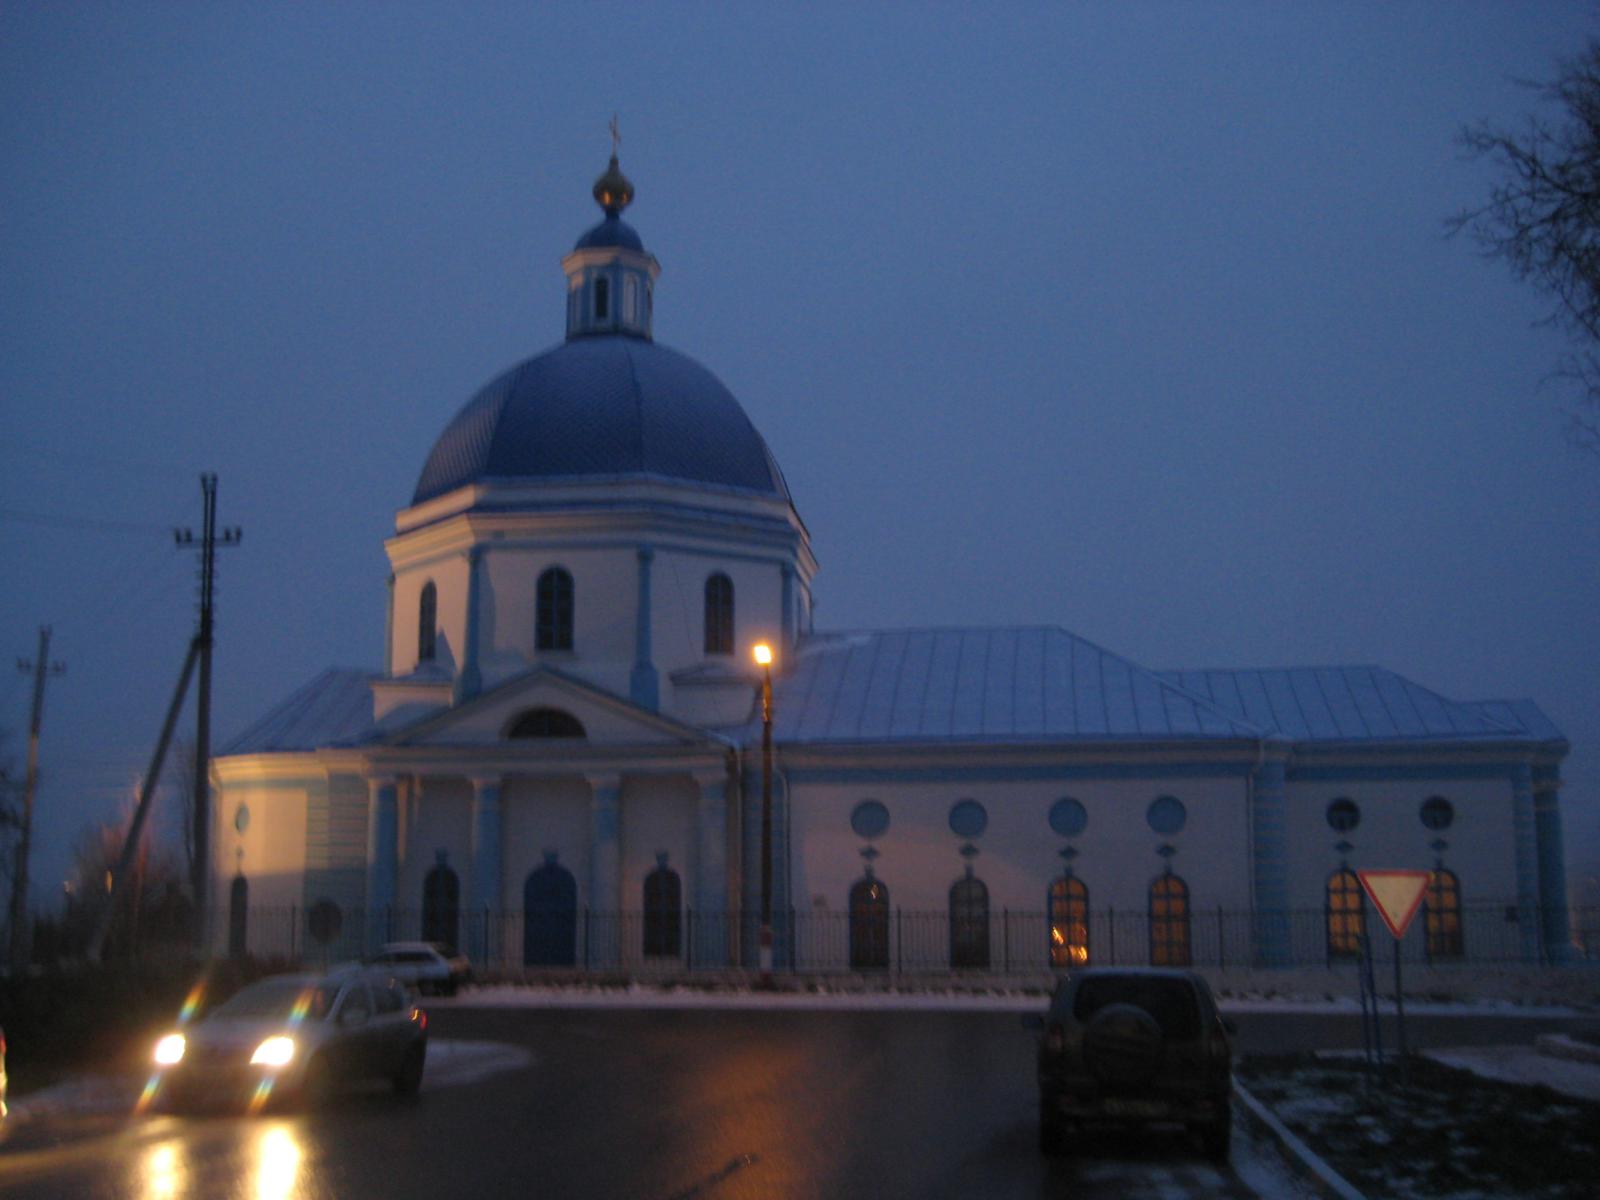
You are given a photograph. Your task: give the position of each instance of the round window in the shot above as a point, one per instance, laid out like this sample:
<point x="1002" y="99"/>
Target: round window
<point x="1343" y="815"/>
<point x="1068" y="817"/>
<point x="1437" y="812"/>
<point x="968" y="819"/>
<point x="1166" y="814"/>
<point x="870" y="819"/>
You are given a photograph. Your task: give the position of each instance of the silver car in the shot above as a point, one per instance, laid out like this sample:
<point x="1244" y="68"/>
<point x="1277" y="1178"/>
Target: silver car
<point x="295" y="1038"/>
<point x="427" y="966"/>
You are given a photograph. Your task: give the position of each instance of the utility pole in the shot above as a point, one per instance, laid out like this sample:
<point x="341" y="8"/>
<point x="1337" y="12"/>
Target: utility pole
<point x="21" y="932"/>
<point x="209" y="540"/>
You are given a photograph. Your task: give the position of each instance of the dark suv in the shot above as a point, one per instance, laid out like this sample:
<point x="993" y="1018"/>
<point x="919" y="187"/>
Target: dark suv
<point x="1134" y="1046"/>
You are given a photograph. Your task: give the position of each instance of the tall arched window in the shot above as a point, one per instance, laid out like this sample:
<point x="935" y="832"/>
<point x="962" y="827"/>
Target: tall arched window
<point x="1346" y="914"/>
<point x="428" y="623"/>
<point x="441" y="906"/>
<point x="719" y="614"/>
<point x="1441" y="915"/>
<point x="553" y="622"/>
<point x="602" y="298"/>
<point x="869" y="925"/>
<point x="1069" y="922"/>
<point x="663" y="913"/>
<point x="238" y="917"/>
<point x="1169" y="922"/>
<point x="969" y="923"/>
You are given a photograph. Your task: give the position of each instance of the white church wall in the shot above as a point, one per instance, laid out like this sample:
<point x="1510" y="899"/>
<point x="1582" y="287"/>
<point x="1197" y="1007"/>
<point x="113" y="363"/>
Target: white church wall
<point x="539" y="817"/>
<point x="678" y="609"/>
<point x="1018" y="851"/>
<point x="433" y="819"/>
<point x="270" y="851"/>
<point x="449" y="577"/>
<point x="658" y="817"/>
<point x="1391" y="834"/>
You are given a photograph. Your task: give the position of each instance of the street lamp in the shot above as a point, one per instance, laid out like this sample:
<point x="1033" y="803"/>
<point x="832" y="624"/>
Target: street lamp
<point x="763" y="657"/>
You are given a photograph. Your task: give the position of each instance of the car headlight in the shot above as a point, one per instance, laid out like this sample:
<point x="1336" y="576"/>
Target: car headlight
<point x="274" y="1052"/>
<point x="169" y="1050"/>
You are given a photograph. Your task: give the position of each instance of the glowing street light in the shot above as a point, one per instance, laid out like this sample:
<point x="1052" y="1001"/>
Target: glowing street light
<point x="763" y="657"/>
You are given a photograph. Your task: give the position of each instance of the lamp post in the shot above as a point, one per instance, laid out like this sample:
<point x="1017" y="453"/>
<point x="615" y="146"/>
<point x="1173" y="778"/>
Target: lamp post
<point x="763" y="657"/>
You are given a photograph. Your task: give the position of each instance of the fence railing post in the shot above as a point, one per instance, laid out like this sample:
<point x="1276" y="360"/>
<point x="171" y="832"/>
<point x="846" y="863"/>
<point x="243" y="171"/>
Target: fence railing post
<point x="1111" y="936"/>
<point x="899" y="942"/>
<point x="1005" y="936"/>
<point x="1222" y="938"/>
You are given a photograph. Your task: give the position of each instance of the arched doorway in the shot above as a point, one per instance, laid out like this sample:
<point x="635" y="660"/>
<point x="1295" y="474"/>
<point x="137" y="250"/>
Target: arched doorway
<point x="550" y="917"/>
<point x="969" y="923"/>
<point x="1069" y="922"/>
<point x="239" y="917"/>
<point x="869" y="925"/>
<point x="663" y="913"/>
<point x="441" y="906"/>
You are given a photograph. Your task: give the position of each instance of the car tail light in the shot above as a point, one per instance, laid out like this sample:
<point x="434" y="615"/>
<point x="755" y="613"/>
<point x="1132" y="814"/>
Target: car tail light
<point x="420" y="1017"/>
<point x="1055" y="1038"/>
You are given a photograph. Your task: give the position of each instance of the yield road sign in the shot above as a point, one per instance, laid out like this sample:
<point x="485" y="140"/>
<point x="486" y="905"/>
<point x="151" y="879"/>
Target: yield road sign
<point x="1397" y="895"/>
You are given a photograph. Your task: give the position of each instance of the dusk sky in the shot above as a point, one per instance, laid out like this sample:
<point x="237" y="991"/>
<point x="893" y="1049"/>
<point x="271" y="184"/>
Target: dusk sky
<point x="1138" y="320"/>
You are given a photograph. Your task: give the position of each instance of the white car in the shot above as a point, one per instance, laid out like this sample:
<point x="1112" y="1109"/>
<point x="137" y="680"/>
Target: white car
<point x="426" y="966"/>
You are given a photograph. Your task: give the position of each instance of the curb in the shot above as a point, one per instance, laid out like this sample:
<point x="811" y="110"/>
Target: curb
<point x="1325" y="1181"/>
<point x="1559" y="1045"/>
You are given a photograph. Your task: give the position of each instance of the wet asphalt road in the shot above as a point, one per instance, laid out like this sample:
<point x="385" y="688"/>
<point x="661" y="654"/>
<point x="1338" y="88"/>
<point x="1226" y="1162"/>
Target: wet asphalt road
<point x="674" y="1106"/>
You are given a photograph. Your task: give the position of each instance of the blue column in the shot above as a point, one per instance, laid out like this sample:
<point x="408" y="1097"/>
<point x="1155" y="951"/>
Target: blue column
<point x="388" y="631"/>
<point x="1552" y="865"/>
<point x="1524" y="836"/>
<point x="605" y="869"/>
<point x="383" y="868"/>
<point x="644" y="685"/>
<point x="484" y="900"/>
<point x="469" y="682"/>
<point x="1269" y="861"/>
<point x="711" y="873"/>
<point x="788" y="607"/>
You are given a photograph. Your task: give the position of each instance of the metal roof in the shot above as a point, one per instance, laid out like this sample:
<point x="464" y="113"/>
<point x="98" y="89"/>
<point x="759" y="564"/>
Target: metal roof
<point x="333" y="709"/>
<point x="603" y="407"/>
<point x="1358" y="703"/>
<point x="988" y="685"/>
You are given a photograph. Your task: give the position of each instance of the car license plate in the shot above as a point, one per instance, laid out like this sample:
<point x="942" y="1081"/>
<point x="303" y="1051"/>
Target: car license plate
<point x="1133" y="1108"/>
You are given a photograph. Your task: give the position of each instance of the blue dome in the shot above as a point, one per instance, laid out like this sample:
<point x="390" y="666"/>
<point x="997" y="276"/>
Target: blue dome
<point x="607" y="407"/>
<point x="613" y="231"/>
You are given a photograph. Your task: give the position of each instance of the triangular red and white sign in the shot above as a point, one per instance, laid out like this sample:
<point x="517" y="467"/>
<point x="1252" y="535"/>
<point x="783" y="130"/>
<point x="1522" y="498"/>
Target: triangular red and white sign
<point x="1397" y="896"/>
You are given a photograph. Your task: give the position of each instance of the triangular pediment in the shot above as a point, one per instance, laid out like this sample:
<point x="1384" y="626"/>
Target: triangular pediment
<point x="490" y="719"/>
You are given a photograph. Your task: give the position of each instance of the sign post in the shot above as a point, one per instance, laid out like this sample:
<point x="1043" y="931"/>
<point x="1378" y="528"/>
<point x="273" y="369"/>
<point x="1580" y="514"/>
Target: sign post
<point x="1397" y="895"/>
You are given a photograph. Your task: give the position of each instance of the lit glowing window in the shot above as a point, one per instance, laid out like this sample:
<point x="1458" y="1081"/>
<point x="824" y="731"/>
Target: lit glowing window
<point x="1346" y="915"/>
<point x="1441" y="915"/>
<point x="1169" y="922"/>
<point x="1069" y="922"/>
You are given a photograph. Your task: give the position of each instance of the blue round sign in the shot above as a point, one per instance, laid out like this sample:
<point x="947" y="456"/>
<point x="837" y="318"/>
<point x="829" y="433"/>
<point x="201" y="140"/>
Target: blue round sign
<point x="1068" y="817"/>
<point x="968" y="819"/>
<point x="870" y="819"/>
<point x="1166" y="814"/>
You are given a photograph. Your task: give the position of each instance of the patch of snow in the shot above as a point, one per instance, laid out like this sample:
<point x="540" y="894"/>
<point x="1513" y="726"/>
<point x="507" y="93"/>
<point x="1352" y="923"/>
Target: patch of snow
<point x="1524" y="1064"/>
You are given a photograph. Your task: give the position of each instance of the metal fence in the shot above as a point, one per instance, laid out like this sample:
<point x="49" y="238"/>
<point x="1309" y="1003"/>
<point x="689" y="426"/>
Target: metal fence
<point x="1011" y="942"/>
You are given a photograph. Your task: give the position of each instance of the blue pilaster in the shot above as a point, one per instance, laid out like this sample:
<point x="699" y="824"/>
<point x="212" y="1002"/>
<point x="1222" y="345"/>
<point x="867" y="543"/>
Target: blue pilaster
<point x="644" y="685"/>
<point x="383" y="833"/>
<point x="388" y="631"/>
<point x="469" y="681"/>
<point x="1552" y="865"/>
<point x="788" y="607"/>
<point x="605" y="869"/>
<point x="1269" y="862"/>
<point x="711" y="873"/>
<point x="484" y="901"/>
<point x="1524" y="836"/>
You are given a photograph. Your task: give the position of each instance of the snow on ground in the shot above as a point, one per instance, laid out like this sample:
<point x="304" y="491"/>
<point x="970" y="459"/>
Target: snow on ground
<point x="1524" y="1064"/>
<point x="512" y="995"/>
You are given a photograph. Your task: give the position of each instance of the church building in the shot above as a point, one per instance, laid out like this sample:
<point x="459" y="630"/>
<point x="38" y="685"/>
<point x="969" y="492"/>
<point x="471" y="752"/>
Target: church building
<point x="560" y="764"/>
